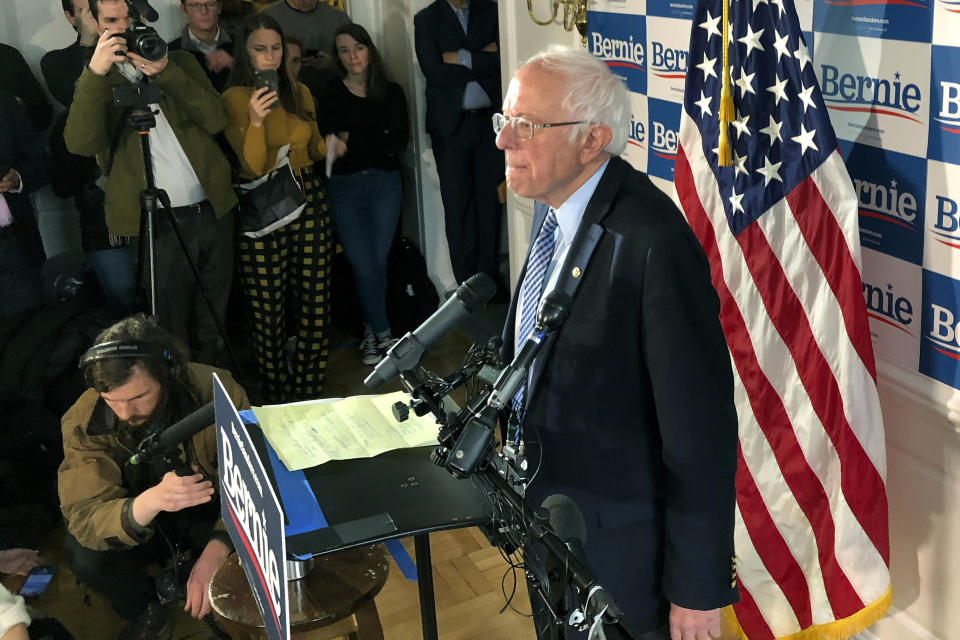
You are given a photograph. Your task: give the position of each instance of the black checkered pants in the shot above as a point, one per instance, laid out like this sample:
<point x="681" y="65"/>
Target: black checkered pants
<point x="285" y="277"/>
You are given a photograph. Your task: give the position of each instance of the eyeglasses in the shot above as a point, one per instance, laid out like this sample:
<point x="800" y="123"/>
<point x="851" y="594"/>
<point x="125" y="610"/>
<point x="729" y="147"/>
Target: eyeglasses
<point x="523" y="127"/>
<point x="204" y="6"/>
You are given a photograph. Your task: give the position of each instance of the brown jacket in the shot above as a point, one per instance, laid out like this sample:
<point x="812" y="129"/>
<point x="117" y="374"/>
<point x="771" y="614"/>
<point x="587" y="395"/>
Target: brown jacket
<point x="93" y="496"/>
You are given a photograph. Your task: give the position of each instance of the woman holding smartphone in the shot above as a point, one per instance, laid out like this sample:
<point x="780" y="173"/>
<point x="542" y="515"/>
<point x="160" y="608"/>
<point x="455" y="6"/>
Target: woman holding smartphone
<point x="369" y="114"/>
<point x="284" y="274"/>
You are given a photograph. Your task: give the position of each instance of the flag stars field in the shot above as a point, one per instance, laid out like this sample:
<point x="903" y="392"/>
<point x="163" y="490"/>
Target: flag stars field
<point x="708" y="66"/>
<point x="805" y="139"/>
<point x="711" y="26"/>
<point x="745" y="83"/>
<point x="752" y="40"/>
<point x="780" y="44"/>
<point x="778" y="89"/>
<point x="773" y="130"/>
<point x="704" y="104"/>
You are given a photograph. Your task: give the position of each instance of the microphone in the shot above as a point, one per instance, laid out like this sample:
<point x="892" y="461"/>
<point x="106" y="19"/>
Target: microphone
<point x="567" y="523"/>
<point x="553" y="312"/>
<point x="170" y="438"/>
<point x="406" y="354"/>
<point x="144" y="9"/>
<point x="474" y="440"/>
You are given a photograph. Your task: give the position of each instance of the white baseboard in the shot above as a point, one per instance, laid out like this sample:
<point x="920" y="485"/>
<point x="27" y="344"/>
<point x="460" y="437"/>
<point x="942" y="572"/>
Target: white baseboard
<point x="896" y="625"/>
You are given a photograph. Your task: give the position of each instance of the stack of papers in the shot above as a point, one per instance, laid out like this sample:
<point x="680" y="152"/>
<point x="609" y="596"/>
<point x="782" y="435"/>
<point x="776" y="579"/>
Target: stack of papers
<point x="307" y="434"/>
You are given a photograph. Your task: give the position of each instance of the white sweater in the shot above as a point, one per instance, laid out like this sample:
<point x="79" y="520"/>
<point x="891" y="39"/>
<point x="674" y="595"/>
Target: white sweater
<point x="13" y="611"/>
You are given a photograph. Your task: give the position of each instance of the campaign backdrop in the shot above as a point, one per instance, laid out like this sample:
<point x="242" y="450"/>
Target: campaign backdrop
<point x="889" y="73"/>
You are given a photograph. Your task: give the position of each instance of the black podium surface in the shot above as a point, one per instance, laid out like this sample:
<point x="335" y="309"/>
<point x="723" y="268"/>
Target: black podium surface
<point x="397" y="494"/>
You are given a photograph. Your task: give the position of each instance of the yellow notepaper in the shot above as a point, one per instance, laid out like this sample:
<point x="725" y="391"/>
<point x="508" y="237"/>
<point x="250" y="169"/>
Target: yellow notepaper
<point x="307" y="434"/>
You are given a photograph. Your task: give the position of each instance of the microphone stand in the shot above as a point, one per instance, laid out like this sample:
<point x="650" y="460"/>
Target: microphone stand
<point x="597" y="597"/>
<point x="466" y="448"/>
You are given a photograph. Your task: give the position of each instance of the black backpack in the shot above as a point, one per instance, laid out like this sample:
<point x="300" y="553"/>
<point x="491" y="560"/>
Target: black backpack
<point x="411" y="296"/>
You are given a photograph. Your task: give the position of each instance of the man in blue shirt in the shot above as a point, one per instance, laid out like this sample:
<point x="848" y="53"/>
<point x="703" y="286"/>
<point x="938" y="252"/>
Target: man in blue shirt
<point x="457" y="44"/>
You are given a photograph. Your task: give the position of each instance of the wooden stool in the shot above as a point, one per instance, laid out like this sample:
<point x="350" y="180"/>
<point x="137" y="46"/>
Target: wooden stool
<point x="334" y="599"/>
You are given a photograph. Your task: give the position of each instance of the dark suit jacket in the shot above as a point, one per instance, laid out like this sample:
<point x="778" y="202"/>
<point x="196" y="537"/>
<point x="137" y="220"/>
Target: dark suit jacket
<point x="437" y="29"/>
<point x="22" y="149"/>
<point x="17" y="78"/>
<point x="217" y="78"/>
<point x="631" y="404"/>
<point x="62" y="67"/>
<point x="74" y="176"/>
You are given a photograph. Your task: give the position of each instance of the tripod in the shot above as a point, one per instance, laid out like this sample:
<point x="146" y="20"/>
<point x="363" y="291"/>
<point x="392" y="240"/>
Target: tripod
<point x="142" y="119"/>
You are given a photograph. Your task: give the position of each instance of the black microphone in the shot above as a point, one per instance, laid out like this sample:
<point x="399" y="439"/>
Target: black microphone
<point x="567" y="523"/>
<point x="474" y="440"/>
<point x="170" y="438"/>
<point x="406" y="354"/>
<point x="144" y="9"/>
<point x="553" y="312"/>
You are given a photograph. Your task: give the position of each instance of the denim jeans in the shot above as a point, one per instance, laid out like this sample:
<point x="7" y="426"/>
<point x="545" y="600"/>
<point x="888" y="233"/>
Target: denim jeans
<point x="116" y="276"/>
<point x="365" y="208"/>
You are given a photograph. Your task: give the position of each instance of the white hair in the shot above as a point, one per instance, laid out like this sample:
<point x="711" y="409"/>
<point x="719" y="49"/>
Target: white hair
<point x="593" y="93"/>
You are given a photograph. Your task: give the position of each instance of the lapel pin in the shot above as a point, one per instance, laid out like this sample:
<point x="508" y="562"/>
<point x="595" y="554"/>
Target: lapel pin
<point x="576" y="272"/>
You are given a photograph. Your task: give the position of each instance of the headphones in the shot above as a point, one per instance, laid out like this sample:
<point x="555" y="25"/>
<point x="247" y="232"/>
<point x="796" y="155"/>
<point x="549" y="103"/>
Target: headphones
<point x="126" y="349"/>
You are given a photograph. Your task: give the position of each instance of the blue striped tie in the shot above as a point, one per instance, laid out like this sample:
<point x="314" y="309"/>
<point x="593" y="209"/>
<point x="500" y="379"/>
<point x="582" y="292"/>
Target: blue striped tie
<point x="532" y="288"/>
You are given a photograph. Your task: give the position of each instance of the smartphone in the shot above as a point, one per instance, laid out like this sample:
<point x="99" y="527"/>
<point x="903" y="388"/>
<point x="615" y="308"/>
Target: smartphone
<point x="268" y="78"/>
<point x="38" y="580"/>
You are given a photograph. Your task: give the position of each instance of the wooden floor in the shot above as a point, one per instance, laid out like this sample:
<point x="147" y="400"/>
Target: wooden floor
<point x="467" y="571"/>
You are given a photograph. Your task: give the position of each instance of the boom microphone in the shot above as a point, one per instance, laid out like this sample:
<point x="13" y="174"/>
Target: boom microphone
<point x="406" y="354"/>
<point x="144" y="9"/>
<point x="170" y="438"/>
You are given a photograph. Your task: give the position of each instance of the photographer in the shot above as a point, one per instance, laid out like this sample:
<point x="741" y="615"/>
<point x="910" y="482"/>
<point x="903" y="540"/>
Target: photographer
<point x="121" y="516"/>
<point x="187" y="163"/>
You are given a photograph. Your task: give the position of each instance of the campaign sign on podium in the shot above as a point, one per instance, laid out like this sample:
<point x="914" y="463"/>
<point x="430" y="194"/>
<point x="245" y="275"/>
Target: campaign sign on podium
<point x="252" y="515"/>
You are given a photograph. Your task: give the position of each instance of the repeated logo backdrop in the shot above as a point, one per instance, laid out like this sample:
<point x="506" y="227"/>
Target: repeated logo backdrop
<point x="889" y="72"/>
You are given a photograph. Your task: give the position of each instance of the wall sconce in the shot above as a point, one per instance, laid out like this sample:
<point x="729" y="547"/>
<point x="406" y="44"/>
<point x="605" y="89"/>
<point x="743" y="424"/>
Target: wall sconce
<point x="574" y="15"/>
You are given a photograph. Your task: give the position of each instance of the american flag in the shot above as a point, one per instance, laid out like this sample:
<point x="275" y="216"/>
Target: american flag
<point x="779" y="227"/>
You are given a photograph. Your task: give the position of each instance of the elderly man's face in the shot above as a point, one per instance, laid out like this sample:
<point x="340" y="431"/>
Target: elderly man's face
<point x="136" y="399"/>
<point x="546" y="167"/>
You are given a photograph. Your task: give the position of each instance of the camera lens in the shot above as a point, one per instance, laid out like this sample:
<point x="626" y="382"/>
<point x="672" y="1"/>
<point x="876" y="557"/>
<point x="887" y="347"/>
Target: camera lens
<point x="146" y="42"/>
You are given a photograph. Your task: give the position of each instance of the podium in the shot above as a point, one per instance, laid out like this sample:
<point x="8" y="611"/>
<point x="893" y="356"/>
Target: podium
<point x="350" y="503"/>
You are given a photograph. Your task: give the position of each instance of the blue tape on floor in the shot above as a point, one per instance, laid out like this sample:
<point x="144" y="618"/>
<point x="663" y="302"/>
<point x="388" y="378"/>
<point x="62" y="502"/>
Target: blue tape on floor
<point x="403" y="560"/>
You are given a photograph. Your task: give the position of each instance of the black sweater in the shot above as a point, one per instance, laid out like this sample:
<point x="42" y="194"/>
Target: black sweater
<point x="379" y="130"/>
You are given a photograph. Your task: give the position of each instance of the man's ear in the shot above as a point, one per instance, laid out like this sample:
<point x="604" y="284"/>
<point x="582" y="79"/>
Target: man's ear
<point x="595" y="139"/>
<point x="71" y="19"/>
